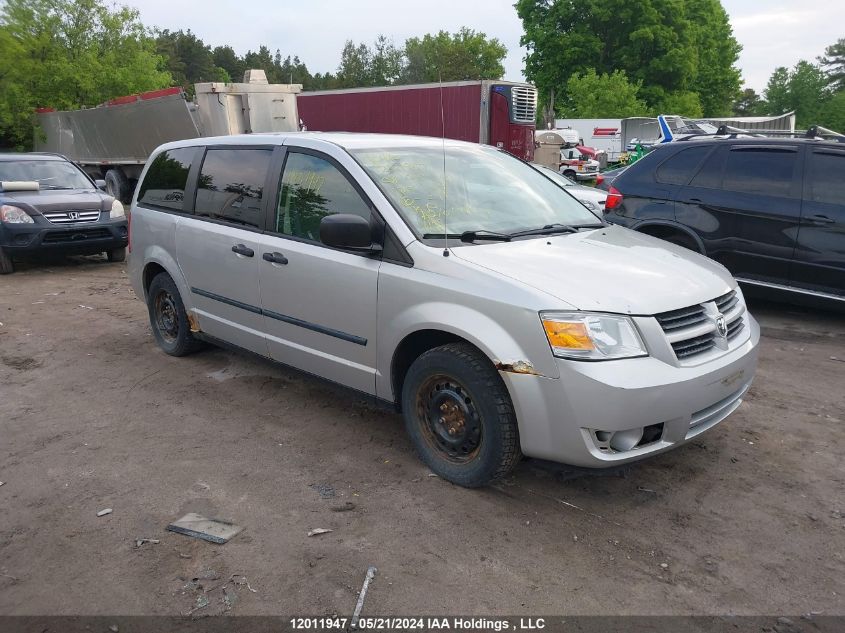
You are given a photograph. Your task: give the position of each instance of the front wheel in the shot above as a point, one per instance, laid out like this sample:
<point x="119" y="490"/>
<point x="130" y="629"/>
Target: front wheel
<point x="459" y="415"/>
<point x="116" y="254"/>
<point x="168" y="317"/>
<point x="6" y="264"/>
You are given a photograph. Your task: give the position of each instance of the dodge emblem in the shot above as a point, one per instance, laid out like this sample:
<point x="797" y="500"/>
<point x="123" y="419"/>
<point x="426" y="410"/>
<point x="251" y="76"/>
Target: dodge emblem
<point x="722" y="326"/>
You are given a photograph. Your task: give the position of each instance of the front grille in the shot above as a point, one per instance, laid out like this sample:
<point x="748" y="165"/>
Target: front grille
<point x="679" y="319"/>
<point x="692" y="330"/>
<point x="524" y="104"/>
<point x="71" y="217"/>
<point x="79" y="235"/>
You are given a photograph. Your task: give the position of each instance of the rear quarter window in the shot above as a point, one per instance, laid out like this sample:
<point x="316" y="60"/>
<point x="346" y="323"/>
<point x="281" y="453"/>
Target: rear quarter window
<point x="167" y="176"/>
<point x="679" y="168"/>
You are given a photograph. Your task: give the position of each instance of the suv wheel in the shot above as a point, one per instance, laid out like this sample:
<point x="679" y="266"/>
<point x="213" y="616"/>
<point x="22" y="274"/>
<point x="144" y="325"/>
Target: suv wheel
<point x="117" y="185"/>
<point x="116" y="254"/>
<point x="6" y="264"/>
<point x="168" y="318"/>
<point x="459" y="415"/>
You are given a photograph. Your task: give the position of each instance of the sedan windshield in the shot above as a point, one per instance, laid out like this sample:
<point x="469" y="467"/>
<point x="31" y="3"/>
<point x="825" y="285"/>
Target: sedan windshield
<point x="50" y="174"/>
<point x="486" y="190"/>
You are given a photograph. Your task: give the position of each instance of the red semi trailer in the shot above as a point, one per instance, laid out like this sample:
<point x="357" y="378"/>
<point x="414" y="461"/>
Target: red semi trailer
<point x="498" y="113"/>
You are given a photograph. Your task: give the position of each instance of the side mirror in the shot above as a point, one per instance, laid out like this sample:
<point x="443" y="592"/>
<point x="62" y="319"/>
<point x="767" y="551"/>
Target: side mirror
<point x="345" y="230"/>
<point x="101" y="184"/>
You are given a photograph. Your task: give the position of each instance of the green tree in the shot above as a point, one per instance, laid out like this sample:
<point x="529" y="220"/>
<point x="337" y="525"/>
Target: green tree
<point x="226" y="58"/>
<point x="716" y="79"/>
<point x="832" y="114"/>
<point x="748" y="103"/>
<point x="467" y="54"/>
<point x="834" y="64"/>
<point x="670" y="46"/>
<point x="803" y="89"/>
<point x="683" y="102"/>
<point x="67" y="54"/>
<point x="385" y="62"/>
<point x="355" y="66"/>
<point x="592" y="96"/>
<point x="189" y="59"/>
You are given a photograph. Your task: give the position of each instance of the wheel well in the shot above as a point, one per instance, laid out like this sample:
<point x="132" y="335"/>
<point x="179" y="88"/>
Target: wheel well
<point x="411" y="347"/>
<point x="150" y="273"/>
<point x="668" y="232"/>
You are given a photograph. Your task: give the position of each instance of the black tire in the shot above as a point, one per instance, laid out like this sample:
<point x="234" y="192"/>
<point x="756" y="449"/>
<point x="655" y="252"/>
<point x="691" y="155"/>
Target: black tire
<point x="117" y="185"/>
<point x="168" y="318"/>
<point x="117" y="254"/>
<point x="476" y="440"/>
<point x="569" y="174"/>
<point x="7" y="266"/>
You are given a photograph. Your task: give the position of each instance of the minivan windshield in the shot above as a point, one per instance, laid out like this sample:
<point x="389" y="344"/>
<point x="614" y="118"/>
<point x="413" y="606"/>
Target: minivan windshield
<point x="50" y="174"/>
<point x="486" y="191"/>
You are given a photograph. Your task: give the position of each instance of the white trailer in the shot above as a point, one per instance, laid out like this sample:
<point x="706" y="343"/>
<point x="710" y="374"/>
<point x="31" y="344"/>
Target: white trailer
<point x="113" y="141"/>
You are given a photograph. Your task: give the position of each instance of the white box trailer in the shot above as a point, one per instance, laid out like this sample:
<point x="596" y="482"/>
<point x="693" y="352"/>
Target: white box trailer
<point x="113" y="141"/>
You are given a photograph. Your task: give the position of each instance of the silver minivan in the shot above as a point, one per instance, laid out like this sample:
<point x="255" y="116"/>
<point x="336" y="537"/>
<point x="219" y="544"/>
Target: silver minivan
<point x="452" y="280"/>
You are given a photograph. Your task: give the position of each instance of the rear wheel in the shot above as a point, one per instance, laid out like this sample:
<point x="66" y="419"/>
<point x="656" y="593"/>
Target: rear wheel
<point x="117" y="185"/>
<point x="682" y="240"/>
<point x="459" y="415"/>
<point x="169" y="319"/>
<point x="569" y="174"/>
<point x="116" y="254"/>
<point x="6" y="264"/>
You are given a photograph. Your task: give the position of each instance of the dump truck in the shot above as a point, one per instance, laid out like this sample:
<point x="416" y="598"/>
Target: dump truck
<point x="498" y="113"/>
<point x="112" y="141"/>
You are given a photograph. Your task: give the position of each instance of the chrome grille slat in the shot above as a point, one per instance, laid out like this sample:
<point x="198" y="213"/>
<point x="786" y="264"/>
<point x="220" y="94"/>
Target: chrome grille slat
<point x="63" y="217"/>
<point x="524" y="102"/>
<point x="691" y="330"/>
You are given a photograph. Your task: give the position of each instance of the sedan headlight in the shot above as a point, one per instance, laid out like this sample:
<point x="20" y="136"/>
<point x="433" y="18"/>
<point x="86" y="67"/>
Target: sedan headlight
<point x="14" y="215"/>
<point x="116" y="210"/>
<point x="592" y="335"/>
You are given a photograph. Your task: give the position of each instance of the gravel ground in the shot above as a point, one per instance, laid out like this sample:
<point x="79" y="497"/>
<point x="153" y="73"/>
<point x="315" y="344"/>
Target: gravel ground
<point x="746" y="520"/>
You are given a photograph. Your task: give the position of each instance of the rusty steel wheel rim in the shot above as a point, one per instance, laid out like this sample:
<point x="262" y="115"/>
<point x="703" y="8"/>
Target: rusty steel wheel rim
<point x="449" y="419"/>
<point x="166" y="316"/>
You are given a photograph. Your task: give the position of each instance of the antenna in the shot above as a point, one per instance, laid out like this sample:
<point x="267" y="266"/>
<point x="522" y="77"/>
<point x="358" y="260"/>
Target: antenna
<point x="443" y="140"/>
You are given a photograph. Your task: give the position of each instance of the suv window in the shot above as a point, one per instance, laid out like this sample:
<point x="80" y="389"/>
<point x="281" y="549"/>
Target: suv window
<point x="679" y="168"/>
<point x="762" y="170"/>
<point x="164" y="184"/>
<point x="826" y="183"/>
<point x="231" y="185"/>
<point x="311" y="189"/>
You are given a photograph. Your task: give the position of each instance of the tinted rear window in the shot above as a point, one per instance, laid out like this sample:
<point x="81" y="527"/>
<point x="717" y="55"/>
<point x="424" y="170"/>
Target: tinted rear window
<point x="679" y="169"/>
<point x="827" y="177"/>
<point x="231" y="185"/>
<point x="164" y="184"/>
<point x="762" y="170"/>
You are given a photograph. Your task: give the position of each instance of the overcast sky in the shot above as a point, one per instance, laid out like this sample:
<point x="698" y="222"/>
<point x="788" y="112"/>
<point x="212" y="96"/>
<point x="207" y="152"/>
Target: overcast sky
<point x="772" y="32"/>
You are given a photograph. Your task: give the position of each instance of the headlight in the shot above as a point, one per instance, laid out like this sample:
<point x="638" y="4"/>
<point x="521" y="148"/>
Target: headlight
<point x="14" y="215"/>
<point x="592" y="336"/>
<point x="116" y="210"/>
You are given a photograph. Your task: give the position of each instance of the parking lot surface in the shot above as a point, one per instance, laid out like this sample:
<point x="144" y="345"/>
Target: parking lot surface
<point x="748" y="519"/>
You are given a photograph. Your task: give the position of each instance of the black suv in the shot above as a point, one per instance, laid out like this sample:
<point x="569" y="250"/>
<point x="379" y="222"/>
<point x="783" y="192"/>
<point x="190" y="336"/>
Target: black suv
<point x="48" y="204"/>
<point x="770" y="210"/>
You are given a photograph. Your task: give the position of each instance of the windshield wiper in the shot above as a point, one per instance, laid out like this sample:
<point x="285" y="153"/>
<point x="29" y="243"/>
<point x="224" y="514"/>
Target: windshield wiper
<point x="549" y="229"/>
<point x="471" y="236"/>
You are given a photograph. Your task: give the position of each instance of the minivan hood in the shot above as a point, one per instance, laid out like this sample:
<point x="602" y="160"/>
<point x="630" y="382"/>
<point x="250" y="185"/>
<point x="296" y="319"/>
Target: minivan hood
<point x="612" y="269"/>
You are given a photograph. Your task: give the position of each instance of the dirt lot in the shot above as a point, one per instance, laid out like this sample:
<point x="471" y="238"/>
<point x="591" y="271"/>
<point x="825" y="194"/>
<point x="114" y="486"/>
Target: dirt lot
<point x="748" y="520"/>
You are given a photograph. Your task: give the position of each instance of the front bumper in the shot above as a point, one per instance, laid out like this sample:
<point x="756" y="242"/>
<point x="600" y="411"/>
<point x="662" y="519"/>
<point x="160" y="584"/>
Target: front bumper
<point x="74" y="239"/>
<point x="558" y="417"/>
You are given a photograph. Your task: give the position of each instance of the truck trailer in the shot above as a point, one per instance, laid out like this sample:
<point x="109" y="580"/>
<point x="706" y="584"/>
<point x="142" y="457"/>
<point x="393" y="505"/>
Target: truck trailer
<point x="112" y="141"/>
<point x="498" y="113"/>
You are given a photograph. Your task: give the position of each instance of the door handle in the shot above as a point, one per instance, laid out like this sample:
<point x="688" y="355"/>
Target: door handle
<point x="695" y="200"/>
<point x="820" y="219"/>
<point x="275" y="258"/>
<point x="244" y="250"/>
